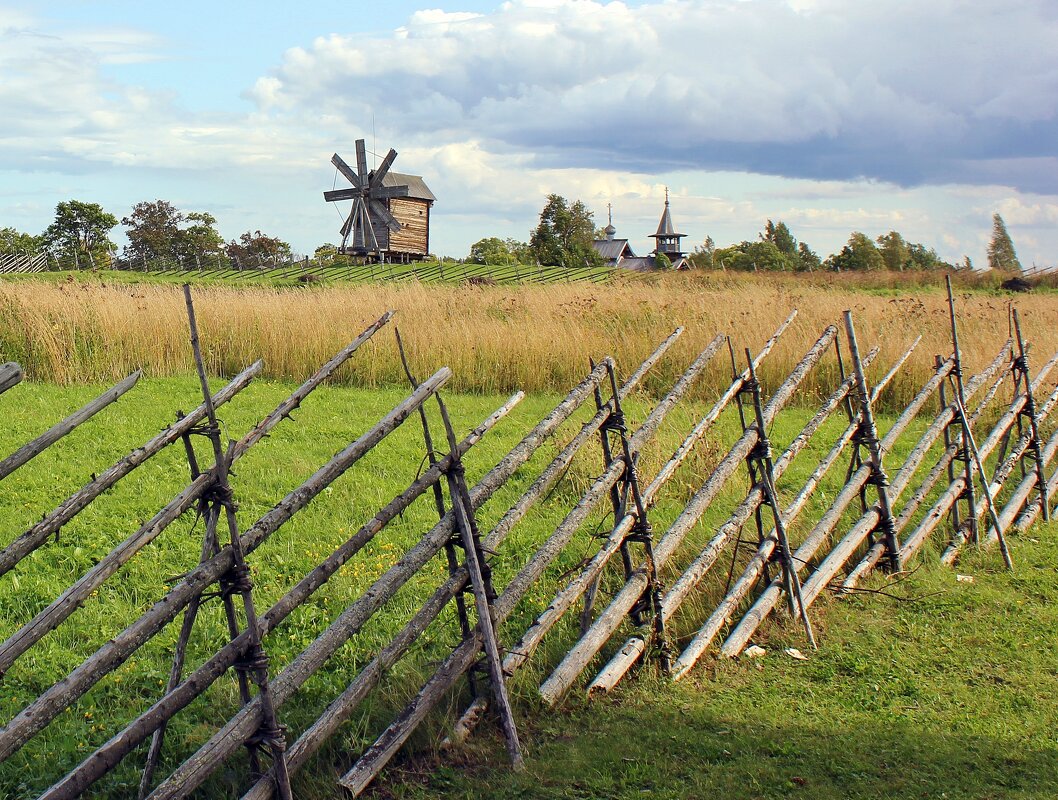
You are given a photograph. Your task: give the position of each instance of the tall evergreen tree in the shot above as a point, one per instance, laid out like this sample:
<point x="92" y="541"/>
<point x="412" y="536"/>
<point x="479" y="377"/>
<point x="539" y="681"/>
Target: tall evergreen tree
<point x="1001" y="255"/>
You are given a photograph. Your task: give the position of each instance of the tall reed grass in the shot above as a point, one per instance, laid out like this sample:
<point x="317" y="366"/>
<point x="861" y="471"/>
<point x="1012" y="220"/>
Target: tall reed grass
<point x="495" y="339"/>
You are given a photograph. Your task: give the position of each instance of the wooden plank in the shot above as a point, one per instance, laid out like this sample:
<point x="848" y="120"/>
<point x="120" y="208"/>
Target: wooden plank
<point x="73" y="505"/>
<point x="34" y="448"/>
<point x="10" y="375"/>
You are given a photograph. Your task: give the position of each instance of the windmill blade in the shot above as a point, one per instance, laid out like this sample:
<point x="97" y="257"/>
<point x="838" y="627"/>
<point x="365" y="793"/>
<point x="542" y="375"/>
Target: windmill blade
<point x="361" y="161"/>
<point x="347" y="226"/>
<point x="335" y="195"/>
<point x="379" y="174"/>
<point x="383" y="214"/>
<point x="359" y="222"/>
<point x="346" y="170"/>
<point x="390" y="191"/>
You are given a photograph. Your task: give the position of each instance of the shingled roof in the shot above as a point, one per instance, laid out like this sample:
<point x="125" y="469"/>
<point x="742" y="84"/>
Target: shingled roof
<point x="417" y="187"/>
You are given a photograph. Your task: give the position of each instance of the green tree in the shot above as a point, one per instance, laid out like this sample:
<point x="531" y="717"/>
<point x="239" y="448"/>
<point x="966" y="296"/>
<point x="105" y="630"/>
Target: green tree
<point x="13" y="241"/>
<point x="807" y="258"/>
<point x="925" y="258"/>
<point x="565" y="234"/>
<point x="80" y="235"/>
<point x="895" y="252"/>
<point x="256" y="250"/>
<point x="200" y="242"/>
<point x="159" y="232"/>
<point x="779" y="235"/>
<point x="662" y="262"/>
<point x="327" y="255"/>
<point x="493" y="250"/>
<point x="153" y="231"/>
<point x="859" y="255"/>
<point x="702" y="257"/>
<point x="752" y="257"/>
<point x="1001" y="254"/>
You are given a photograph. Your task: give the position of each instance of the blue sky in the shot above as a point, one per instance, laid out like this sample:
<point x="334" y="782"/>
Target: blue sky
<point x="832" y="116"/>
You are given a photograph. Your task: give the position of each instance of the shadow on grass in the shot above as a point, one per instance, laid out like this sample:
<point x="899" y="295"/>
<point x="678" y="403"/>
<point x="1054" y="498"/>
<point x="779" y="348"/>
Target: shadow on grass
<point x="680" y="752"/>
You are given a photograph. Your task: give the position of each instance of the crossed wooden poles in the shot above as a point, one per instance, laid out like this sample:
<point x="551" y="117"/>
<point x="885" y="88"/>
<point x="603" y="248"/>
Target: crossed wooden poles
<point x="886" y="533"/>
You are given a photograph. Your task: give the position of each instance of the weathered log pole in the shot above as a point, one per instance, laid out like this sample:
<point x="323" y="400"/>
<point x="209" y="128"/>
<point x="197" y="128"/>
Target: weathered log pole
<point x="578" y="658"/>
<point x="869" y="432"/>
<point x="343" y="706"/>
<point x="221" y="745"/>
<point x="821" y="531"/>
<point x="947" y="500"/>
<point x="968" y="436"/>
<point x="10" y="375"/>
<point x="32" y="719"/>
<point x="952" y="552"/>
<point x="791" y="582"/>
<point x="71" y="599"/>
<point x="615" y="670"/>
<point x="914" y="502"/>
<point x="384" y="748"/>
<point x="523" y="650"/>
<point x="110" y="754"/>
<point x="270" y="733"/>
<point x="438" y="495"/>
<point x="481" y="585"/>
<point x="844" y="549"/>
<point x="32" y="449"/>
<point x="77" y="502"/>
<point x="1021" y="495"/>
<point x="1022" y="363"/>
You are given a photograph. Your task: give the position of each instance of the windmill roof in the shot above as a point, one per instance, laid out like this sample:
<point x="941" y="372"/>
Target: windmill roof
<point x="417" y="187"/>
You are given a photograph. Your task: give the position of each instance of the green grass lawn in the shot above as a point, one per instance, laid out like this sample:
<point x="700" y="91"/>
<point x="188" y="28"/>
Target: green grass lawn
<point x="298" y="275"/>
<point x="951" y="690"/>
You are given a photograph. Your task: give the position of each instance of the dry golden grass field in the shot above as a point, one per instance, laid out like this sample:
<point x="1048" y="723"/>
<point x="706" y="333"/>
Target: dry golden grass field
<point x="495" y="338"/>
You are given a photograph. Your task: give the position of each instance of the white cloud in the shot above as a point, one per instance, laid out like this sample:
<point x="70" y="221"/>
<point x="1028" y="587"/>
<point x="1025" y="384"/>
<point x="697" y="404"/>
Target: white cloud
<point x="847" y="102"/>
<point x="902" y="92"/>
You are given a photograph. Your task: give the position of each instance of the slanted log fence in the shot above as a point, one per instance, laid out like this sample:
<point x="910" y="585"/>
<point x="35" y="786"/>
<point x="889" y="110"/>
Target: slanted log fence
<point x="639" y="578"/>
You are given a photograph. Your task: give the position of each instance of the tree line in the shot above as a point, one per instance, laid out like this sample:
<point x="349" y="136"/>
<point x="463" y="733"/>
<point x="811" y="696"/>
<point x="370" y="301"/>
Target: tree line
<point x="566" y="230"/>
<point x="159" y="236"/>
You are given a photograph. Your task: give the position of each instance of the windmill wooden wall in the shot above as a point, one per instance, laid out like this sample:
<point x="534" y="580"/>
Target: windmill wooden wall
<point x="412" y="241"/>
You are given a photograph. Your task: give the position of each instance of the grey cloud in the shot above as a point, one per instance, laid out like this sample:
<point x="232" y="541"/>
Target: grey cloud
<point x="909" y="93"/>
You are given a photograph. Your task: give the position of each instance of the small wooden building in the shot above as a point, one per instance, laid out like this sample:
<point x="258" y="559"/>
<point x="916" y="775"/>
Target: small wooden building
<point x="412" y="241"/>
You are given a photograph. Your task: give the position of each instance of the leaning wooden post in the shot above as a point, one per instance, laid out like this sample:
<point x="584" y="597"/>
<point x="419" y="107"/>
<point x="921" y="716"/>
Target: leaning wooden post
<point x="762" y="452"/>
<point x="1021" y="372"/>
<point x="439" y="503"/>
<point x="751" y="462"/>
<point x="937" y="361"/>
<point x="960" y="403"/>
<point x="210" y="512"/>
<point x="641" y="530"/>
<point x="238" y="579"/>
<point x="481" y="583"/>
<point x="618" y="499"/>
<point x="870" y="436"/>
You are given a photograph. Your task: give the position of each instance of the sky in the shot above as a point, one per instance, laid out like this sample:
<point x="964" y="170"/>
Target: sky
<point x="830" y="115"/>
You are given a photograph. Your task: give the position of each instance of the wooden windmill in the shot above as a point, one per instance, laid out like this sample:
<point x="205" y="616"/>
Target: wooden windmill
<point x="366" y="194"/>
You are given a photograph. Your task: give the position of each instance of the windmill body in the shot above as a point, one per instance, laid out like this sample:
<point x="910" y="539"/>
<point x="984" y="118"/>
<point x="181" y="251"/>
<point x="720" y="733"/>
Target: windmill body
<point x="390" y="214"/>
